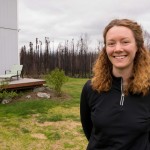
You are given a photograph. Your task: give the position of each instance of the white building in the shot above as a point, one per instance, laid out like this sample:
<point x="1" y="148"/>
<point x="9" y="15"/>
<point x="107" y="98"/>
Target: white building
<point x="8" y="34"/>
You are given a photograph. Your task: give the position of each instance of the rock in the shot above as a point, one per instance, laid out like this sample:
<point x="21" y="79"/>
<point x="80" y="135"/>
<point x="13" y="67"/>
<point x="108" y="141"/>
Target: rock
<point x="43" y="95"/>
<point x="39" y="89"/>
<point x="47" y="88"/>
<point x="28" y="96"/>
<point x="6" y="101"/>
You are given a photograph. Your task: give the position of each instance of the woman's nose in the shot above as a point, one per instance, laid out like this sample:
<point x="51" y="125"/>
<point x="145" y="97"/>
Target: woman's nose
<point x="118" y="47"/>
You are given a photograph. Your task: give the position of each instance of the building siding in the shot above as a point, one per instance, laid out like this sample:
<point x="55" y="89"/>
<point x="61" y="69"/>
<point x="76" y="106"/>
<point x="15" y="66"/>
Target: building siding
<point x="8" y="34"/>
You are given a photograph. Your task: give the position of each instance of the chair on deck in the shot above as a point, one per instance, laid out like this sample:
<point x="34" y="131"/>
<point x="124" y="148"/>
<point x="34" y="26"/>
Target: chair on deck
<point x="14" y="72"/>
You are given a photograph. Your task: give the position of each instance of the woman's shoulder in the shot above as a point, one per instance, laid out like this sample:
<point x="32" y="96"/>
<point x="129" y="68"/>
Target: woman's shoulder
<point x="87" y="84"/>
<point x="87" y="87"/>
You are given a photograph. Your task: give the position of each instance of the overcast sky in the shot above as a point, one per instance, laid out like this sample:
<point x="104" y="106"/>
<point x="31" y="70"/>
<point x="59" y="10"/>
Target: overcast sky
<point x="61" y="20"/>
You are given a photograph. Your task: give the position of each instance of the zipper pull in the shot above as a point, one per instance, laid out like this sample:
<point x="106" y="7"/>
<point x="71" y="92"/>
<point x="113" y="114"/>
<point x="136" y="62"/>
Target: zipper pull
<point x="122" y="99"/>
<point x="122" y="94"/>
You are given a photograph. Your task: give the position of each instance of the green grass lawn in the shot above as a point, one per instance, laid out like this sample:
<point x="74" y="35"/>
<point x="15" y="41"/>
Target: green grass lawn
<point x="44" y="124"/>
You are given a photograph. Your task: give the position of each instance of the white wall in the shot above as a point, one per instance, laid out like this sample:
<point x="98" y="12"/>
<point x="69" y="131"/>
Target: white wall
<point x="8" y="34"/>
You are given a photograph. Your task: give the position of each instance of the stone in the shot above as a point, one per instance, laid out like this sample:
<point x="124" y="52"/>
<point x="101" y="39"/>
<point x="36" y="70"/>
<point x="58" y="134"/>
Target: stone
<point x="28" y="96"/>
<point x="39" y="89"/>
<point x="43" y="95"/>
<point x="6" y="101"/>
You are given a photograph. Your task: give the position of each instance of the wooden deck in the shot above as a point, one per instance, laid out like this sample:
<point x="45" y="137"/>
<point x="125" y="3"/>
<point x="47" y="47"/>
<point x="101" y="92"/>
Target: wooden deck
<point x="23" y="83"/>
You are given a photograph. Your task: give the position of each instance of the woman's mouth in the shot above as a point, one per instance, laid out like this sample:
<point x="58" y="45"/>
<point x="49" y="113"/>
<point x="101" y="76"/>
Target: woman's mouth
<point x="120" y="57"/>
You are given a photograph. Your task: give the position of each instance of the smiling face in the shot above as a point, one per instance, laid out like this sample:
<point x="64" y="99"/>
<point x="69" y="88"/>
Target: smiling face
<point x="121" y="48"/>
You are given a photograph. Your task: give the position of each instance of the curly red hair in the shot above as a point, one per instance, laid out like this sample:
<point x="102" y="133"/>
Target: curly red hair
<point x="102" y="69"/>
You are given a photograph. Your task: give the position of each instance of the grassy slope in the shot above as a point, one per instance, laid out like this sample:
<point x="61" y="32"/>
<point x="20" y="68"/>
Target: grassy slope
<point x="44" y="124"/>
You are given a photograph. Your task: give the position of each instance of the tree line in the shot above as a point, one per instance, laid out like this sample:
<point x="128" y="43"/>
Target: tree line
<point x="76" y="60"/>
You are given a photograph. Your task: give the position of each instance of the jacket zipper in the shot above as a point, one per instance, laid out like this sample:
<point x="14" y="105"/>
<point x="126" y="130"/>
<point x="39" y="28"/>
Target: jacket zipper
<point x="122" y="94"/>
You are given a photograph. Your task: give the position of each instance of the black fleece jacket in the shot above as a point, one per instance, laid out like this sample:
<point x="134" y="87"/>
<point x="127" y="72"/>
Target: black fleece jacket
<point x="112" y="121"/>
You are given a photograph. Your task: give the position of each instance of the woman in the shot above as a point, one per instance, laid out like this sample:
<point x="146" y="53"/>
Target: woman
<point x="115" y="103"/>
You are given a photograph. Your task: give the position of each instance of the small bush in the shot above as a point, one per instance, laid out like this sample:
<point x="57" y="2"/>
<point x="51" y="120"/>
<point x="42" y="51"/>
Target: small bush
<point x="56" y="79"/>
<point x="8" y="95"/>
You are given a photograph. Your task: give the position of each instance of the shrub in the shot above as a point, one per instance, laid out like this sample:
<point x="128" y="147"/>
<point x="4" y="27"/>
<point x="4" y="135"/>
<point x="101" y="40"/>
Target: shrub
<point x="7" y="95"/>
<point x="56" y="79"/>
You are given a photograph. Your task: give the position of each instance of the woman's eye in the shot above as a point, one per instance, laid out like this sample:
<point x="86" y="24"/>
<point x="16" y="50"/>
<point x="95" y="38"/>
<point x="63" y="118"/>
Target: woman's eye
<point x="125" y="42"/>
<point x="110" y="44"/>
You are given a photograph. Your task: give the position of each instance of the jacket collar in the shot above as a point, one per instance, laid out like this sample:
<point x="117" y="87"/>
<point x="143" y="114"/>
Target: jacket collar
<point x="116" y="82"/>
